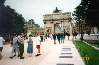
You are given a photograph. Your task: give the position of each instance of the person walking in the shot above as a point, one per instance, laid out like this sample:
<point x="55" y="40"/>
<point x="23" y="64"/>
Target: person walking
<point x="62" y="37"/>
<point x="54" y="38"/>
<point x="1" y="45"/>
<point x="74" y="35"/>
<point x="15" y="48"/>
<point x="59" y="37"/>
<point x="68" y="34"/>
<point x="21" y="46"/>
<point x="41" y="36"/>
<point x="30" y="46"/>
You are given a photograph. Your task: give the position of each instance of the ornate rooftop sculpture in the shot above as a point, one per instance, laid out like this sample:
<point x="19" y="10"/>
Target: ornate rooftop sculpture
<point x="56" y="10"/>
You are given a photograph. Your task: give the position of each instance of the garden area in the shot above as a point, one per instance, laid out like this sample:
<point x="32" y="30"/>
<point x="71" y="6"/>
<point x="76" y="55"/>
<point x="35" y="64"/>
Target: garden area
<point x="89" y="55"/>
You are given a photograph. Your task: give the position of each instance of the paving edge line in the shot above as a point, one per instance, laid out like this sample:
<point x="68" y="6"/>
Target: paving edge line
<point x="78" y="53"/>
<point x="92" y="46"/>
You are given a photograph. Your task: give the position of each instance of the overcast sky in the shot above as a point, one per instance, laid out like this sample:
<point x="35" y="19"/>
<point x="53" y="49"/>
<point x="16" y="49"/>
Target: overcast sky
<point x="35" y="9"/>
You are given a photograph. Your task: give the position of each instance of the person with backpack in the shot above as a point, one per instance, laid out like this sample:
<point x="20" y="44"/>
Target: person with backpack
<point x="15" y="48"/>
<point x="30" y="46"/>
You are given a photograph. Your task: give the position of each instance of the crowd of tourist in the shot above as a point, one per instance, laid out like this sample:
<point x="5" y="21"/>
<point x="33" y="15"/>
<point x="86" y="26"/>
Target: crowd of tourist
<point x="18" y="46"/>
<point x="18" y="43"/>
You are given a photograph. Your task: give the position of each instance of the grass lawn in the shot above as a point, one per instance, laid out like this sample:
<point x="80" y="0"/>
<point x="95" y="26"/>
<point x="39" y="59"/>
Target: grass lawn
<point x="96" y="43"/>
<point x="89" y="54"/>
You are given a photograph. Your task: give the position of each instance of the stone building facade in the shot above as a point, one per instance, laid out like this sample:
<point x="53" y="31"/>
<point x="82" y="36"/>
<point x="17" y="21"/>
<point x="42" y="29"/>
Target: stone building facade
<point x="57" y="22"/>
<point x="32" y="28"/>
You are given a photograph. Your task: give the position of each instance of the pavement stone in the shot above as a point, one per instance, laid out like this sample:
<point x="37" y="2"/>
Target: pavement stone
<point x="50" y="54"/>
<point x="53" y="58"/>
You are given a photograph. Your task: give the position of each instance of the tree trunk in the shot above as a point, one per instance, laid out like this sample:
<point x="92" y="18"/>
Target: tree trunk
<point x="81" y="33"/>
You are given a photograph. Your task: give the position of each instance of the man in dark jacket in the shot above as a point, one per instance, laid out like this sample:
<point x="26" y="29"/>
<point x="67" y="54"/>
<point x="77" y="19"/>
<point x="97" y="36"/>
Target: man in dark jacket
<point x="54" y="37"/>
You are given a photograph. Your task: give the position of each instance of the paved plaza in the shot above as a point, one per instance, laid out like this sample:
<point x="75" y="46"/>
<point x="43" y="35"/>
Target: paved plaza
<point x="63" y="54"/>
<point x="52" y="54"/>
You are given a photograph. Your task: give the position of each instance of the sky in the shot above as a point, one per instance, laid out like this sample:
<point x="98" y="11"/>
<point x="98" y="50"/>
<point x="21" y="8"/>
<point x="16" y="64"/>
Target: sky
<point x="35" y="9"/>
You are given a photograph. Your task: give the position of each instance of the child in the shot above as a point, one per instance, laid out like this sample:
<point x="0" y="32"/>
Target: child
<point x="38" y="43"/>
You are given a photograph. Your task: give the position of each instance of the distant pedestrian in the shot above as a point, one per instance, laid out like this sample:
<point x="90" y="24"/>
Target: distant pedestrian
<point x="30" y="46"/>
<point x="51" y="36"/>
<point x="62" y="37"/>
<point x="44" y="37"/>
<point x="68" y="34"/>
<point x="41" y="36"/>
<point x="38" y="43"/>
<point x="54" y="38"/>
<point x="74" y="35"/>
<point x="59" y="37"/>
<point x="1" y="45"/>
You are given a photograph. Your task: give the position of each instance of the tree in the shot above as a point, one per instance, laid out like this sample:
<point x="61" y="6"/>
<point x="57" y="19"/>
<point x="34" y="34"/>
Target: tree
<point x="10" y="20"/>
<point x="2" y="2"/>
<point x="15" y="21"/>
<point x="87" y="12"/>
<point x="93" y="13"/>
<point x="80" y="15"/>
<point x="2" y="10"/>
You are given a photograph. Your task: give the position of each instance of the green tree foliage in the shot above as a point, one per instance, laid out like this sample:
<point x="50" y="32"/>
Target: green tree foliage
<point x="88" y="12"/>
<point x="15" y="21"/>
<point x="10" y="20"/>
<point x="2" y="2"/>
<point x="93" y="13"/>
<point x="80" y="14"/>
<point x="2" y="15"/>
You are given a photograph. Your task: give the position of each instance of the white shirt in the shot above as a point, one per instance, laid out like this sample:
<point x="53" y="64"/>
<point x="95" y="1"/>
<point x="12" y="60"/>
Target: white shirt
<point x="1" y="41"/>
<point x="19" y="38"/>
<point x="15" y="40"/>
<point x="38" y="40"/>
